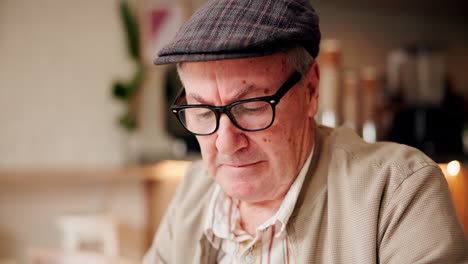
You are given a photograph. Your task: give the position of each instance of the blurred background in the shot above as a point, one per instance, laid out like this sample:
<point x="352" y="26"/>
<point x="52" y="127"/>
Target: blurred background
<point x="90" y="155"/>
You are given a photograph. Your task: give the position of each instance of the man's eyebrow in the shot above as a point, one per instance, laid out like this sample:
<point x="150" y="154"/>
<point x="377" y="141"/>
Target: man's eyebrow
<point x="241" y="93"/>
<point x="197" y="98"/>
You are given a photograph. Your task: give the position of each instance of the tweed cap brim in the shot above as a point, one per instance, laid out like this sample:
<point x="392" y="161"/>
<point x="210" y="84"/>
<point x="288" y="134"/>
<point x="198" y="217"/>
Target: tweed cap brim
<point x="234" y="29"/>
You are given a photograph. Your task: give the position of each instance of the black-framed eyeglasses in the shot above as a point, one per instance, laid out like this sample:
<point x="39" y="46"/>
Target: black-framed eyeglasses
<point x="249" y="115"/>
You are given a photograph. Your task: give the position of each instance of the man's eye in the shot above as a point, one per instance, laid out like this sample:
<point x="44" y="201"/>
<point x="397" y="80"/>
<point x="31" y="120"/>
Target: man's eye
<point x="204" y="114"/>
<point x="251" y="108"/>
<point x="254" y="109"/>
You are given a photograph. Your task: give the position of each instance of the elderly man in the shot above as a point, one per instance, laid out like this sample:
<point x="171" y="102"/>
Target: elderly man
<point x="274" y="187"/>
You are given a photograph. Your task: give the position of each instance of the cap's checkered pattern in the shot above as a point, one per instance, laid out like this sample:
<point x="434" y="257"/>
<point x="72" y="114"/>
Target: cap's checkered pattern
<point x="230" y="29"/>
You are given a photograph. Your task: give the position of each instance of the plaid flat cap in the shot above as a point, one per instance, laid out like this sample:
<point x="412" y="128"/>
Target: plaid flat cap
<point x="233" y="29"/>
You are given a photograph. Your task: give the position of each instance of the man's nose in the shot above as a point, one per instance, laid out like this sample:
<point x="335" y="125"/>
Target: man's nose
<point x="229" y="138"/>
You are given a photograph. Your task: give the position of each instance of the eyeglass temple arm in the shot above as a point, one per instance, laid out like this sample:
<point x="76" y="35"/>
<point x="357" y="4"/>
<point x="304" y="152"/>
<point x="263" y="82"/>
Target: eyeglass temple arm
<point x="179" y="97"/>
<point x="288" y="85"/>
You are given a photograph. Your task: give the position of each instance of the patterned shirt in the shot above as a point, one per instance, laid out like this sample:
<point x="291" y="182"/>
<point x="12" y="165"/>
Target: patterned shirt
<point x="270" y="244"/>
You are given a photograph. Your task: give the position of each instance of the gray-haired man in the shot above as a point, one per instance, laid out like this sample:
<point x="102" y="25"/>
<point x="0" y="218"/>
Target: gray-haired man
<point x="273" y="187"/>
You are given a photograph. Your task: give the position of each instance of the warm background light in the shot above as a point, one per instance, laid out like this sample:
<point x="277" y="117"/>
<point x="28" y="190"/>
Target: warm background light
<point x="167" y="169"/>
<point x="453" y="168"/>
<point x="456" y="176"/>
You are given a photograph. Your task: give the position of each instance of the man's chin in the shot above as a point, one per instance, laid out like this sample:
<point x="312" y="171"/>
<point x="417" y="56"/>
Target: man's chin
<point x="245" y="188"/>
<point x="243" y="194"/>
<point x="241" y="182"/>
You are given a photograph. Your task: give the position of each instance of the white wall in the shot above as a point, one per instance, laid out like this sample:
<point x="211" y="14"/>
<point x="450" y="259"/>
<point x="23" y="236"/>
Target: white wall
<point x="58" y="61"/>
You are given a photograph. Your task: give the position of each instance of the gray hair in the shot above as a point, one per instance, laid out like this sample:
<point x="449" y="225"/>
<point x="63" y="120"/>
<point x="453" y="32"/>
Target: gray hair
<point x="299" y="59"/>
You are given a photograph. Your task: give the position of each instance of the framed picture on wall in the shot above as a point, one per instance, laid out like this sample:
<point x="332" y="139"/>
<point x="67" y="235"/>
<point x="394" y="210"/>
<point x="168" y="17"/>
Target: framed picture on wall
<point x="159" y="22"/>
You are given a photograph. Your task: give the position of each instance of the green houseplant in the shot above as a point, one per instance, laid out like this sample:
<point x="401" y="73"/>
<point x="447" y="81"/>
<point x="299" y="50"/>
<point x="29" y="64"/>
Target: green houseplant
<point x="127" y="91"/>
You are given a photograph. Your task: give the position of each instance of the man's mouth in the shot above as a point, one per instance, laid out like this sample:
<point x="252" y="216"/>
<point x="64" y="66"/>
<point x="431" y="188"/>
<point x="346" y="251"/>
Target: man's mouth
<point x="242" y="165"/>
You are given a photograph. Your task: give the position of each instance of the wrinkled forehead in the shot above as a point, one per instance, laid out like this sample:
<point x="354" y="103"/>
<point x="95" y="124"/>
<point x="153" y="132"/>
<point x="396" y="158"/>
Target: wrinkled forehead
<point x="237" y="68"/>
<point x="235" y="79"/>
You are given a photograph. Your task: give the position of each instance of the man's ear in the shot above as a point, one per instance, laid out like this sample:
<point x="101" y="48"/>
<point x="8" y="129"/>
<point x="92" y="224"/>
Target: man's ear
<point x="312" y="79"/>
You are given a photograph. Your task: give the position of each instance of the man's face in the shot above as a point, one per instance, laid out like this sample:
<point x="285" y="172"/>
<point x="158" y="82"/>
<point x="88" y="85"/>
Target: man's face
<point x="254" y="166"/>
